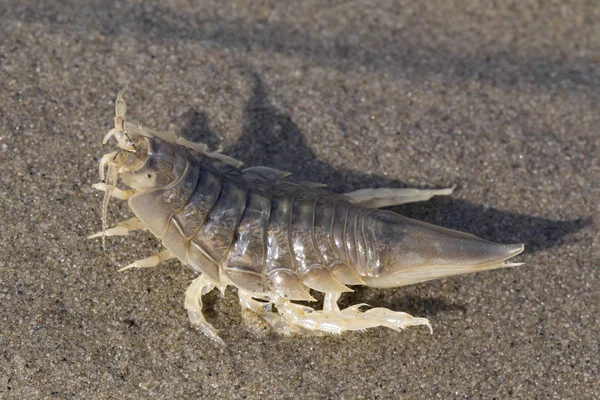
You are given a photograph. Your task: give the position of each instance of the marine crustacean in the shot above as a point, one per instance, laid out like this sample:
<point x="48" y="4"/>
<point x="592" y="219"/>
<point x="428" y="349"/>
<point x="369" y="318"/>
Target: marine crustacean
<point x="275" y="240"/>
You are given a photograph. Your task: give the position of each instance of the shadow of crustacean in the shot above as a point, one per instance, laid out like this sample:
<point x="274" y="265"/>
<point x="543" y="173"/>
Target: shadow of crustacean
<point x="371" y="297"/>
<point x="197" y="129"/>
<point x="414" y="305"/>
<point x="272" y="139"/>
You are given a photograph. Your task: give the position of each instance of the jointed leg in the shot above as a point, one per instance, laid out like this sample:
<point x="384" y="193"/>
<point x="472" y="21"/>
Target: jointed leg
<point x="121" y="229"/>
<point x="115" y="192"/>
<point x="330" y="302"/>
<point x="151" y="261"/>
<point x="386" y="197"/>
<point x="193" y="304"/>
<point x="263" y="309"/>
<point x="333" y="320"/>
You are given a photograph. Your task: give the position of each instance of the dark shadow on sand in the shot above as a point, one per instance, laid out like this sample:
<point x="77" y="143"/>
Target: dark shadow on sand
<point x="272" y="139"/>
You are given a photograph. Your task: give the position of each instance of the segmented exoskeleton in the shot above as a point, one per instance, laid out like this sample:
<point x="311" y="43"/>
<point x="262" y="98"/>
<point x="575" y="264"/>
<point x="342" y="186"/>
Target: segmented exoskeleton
<point x="276" y="240"/>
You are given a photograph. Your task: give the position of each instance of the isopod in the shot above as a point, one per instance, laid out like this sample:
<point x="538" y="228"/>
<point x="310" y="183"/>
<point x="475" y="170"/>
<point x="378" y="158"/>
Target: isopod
<point x="276" y="240"/>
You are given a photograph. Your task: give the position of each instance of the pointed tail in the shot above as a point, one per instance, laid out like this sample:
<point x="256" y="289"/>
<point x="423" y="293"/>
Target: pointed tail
<point x="410" y="251"/>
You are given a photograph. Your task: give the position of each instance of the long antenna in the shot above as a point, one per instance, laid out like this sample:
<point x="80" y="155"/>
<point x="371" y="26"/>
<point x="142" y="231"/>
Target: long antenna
<point x="121" y="130"/>
<point x="121" y="110"/>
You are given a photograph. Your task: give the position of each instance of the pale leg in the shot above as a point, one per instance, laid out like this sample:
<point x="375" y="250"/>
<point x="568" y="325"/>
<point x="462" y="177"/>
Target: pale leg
<point x="386" y="197"/>
<point x="151" y="261"/>
<point x="330" y="302"/>
<point x="263" y="309"/>
<point x="193" y="304"/>
<point x="333" y="320"/>
<point x="115" y="192"/>
<point x="121" y="229"/>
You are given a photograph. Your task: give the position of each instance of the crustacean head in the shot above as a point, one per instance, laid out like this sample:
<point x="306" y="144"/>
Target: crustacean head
<point x="143" y="161"/>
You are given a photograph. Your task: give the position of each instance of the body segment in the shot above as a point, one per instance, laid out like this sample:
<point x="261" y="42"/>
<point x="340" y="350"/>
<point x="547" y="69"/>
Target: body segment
<point x="276" y="240"/>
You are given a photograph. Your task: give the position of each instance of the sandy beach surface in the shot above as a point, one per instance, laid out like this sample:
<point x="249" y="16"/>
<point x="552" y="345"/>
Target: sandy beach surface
<point x="500" y="99"/>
